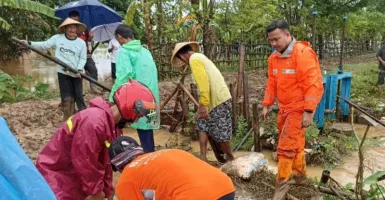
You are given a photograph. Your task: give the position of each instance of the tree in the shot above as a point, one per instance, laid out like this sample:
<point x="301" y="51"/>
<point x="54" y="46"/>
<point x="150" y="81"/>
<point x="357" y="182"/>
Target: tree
<point x="237" y="19"/>
<point x="24" y="5"/>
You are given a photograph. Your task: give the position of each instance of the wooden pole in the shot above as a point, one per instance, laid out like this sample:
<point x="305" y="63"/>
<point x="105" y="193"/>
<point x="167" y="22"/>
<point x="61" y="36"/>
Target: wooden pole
<point x="57" y="61"/>
<point x="246" y="105"/>
<point x="188" y="94"/>
<point x="234" y="107"/>
<point x="169" y="98"/>
<point x="340" y="68"/>
<point x="257" y="142"/>
<point x="175" y="90"/>
<point x="186" y="114"/>
<point x="241" y="70"/>
<point x="240" y="107"/>
<point x="194" y="93"/>
<point x="314" y="30"/>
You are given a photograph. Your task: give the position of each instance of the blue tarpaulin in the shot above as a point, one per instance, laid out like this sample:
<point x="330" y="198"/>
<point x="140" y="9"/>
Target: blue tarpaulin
<point x="19" y="178"/>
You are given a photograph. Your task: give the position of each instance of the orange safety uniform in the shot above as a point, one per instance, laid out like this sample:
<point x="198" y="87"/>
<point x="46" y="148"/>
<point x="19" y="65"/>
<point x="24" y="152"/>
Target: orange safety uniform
<point x="172" y="174"/>
<point x="295" y="79"/>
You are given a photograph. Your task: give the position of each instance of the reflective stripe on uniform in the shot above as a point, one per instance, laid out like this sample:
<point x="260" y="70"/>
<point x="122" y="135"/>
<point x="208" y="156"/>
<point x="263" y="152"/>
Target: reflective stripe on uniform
<point x="288" y="71"/>
<point x="107" y="144"/>
<point x="310" y="98"/>
<point x="270" y="96"/>
<point x="69" y="123"/>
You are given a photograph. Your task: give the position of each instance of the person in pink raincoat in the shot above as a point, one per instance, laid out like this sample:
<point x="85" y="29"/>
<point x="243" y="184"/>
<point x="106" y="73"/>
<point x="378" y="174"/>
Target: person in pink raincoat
<point x="75" y="162"/>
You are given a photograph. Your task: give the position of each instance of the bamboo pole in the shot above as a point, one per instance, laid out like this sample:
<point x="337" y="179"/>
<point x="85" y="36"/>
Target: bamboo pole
<point x="188" y="94"/>
<point x="57" y="61"/>
<point x="257" y="142"/>
<point x="246" y="105"/>
<point x="241" y="70"/>
<point x="194" y="93"/>
<point x="185" y="109"/>
<point x="169" y="98"/>
<point x="184" y="74"/>
<point x="234" y="106"/>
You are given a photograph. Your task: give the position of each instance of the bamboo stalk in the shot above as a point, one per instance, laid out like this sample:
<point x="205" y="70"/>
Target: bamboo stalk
<point x="257" y="142"/>
<point x="188" y="94"/>
<point x="246" y="105"/>
<point x="57" y="61"/>
<point x="234" y="107"/>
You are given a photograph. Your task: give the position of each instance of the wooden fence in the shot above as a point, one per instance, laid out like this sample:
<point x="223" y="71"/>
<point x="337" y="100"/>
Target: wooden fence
<point x="226" y="56"/>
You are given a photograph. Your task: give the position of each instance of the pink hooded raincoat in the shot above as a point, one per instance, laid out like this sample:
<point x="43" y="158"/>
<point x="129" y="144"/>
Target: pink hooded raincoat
<point x="75" y="162"/>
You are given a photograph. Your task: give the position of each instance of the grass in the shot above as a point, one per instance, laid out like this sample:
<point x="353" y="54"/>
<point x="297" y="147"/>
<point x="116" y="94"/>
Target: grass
<point x="364" y="89"/>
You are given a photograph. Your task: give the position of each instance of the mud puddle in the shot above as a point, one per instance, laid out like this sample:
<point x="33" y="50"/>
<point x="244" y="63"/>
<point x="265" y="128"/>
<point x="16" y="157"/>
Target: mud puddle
<point x="34" y="122"/>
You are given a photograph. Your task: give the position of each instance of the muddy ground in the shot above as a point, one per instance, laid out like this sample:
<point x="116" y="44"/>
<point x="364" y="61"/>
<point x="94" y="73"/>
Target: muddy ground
<point x="34" y="122"/>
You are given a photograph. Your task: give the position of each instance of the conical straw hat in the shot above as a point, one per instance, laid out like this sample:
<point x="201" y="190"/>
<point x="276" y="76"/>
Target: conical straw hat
<point x="175" y="61"/>
<point x="81" y="27"/>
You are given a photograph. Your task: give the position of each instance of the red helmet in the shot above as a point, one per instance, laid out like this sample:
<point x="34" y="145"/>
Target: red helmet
<point x="133" y="98"/>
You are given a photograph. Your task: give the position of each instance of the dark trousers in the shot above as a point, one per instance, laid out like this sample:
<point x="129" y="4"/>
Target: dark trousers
<point x="381" y="77"/>
<point x="230" y="196"/>
<point x="71" y="87"/>
<point x="113" y="70"/>
<point x="90" y="67"/>
<point x="146" y="138"/>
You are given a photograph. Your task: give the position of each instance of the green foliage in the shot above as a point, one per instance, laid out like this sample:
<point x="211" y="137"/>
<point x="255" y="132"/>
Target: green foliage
<point x="241" y="131"/>
<point x="131" y="10"/>
<point x="329" y="149"/>
<point x="19" y="19"/>
<point x="242" y="126"/>
<point x="364" y="88"/>
<point x="13" y="89"/>
<point x="237" y="19"/>
<point x="376" y="191"/>
<point x="373" y="179"/>
<point x="27" y="5"/>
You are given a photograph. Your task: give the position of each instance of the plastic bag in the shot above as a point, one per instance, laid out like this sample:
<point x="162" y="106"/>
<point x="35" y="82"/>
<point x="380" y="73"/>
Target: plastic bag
<point x="19" y="178"/>
<point x="245" y="166"/>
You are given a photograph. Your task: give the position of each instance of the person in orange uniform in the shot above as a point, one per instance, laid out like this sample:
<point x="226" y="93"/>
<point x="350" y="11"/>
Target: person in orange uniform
<point x="295" y="79"/>
<point x="170" y="174"/>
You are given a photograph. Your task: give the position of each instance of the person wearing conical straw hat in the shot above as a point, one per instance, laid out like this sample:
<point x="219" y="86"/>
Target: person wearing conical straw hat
<point x="214" y="111"/>
<point x="90" y="66"/>
<point x="71" y="50"/>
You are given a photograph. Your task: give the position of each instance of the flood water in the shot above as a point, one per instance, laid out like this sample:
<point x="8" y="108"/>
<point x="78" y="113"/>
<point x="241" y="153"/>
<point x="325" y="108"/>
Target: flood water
<point x="344" y="173"/>
<point x="44" y="71"/>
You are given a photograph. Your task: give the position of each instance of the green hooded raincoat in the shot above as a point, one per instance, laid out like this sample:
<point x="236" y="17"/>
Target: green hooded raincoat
<point x="136" y="62"/>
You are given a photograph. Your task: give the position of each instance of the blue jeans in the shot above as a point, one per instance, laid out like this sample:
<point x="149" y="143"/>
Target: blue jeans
<point x="146" y="138"/>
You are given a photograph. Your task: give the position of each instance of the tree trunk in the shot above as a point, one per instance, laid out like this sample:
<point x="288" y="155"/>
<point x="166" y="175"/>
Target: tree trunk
<point x="160" y="21"/>
<point x="147" y="21"/>
<point x="320" y="47"/>
<point x="209" y="13"/>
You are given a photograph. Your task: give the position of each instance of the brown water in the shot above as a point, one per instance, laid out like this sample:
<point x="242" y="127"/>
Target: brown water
<point x="344" y="173"/>
<point x="44" y="71"/>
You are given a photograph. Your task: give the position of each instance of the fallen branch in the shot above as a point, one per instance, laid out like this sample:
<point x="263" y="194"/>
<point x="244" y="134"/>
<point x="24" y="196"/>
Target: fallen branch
<point x="331" y="192"/>
<point x="360" y="171"/>
<point x="337" y="193"/>
<point x="289" y="196"/>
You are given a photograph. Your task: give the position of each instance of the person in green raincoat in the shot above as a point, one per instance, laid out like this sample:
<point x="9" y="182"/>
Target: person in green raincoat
<point x="136" y="62"/>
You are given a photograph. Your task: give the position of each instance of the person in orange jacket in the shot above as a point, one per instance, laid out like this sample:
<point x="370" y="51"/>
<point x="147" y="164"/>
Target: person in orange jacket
<point x="170" y="174"/>
<point x="295" y="79"/>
